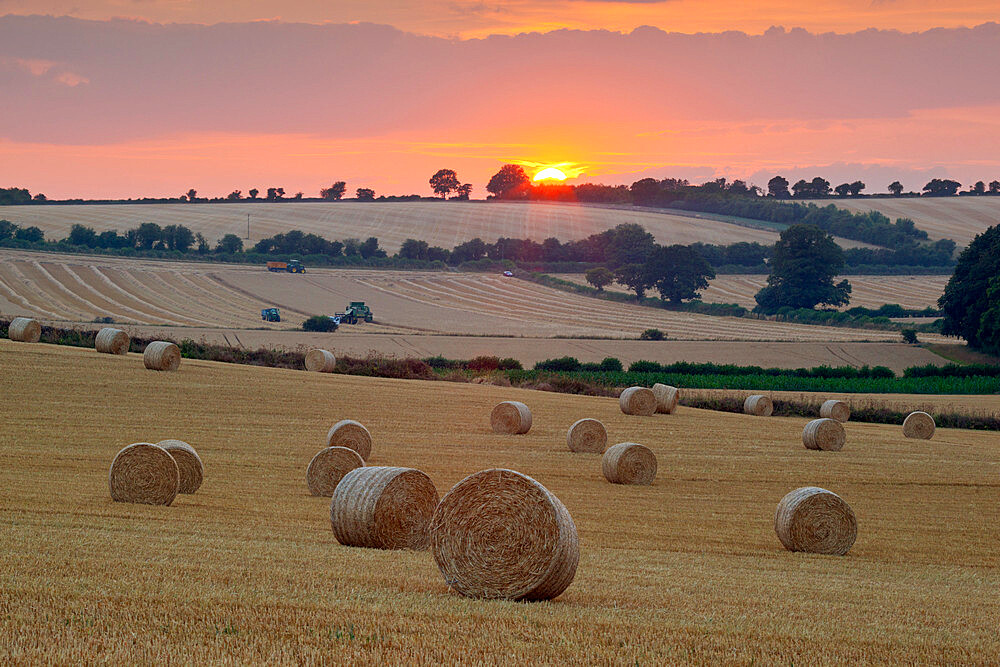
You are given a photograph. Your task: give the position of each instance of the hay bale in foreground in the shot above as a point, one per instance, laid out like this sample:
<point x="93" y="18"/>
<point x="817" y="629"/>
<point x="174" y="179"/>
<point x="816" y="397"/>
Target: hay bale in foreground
<point x="501" y="534"/>
<point x="511" y="418"/>
<point x="189" y="464"/>
<point x="383" y="508"/>
<point x="834" y="409"/>
<point x="815" y="520"/>
<point x="144" y="473"/>
<point x="587" y="435"/>
<point x="918" y="425"/>
<point x="758" y="405"/>
<point x="111" y="341"/>
<point x="351" y="434"/>
<point x="666" y="398"/>
<point x="328" y="467"/>
<point x="638" y="401"/>
<point x="824" y="434"/>
<point x="629" y="463"/>
<point x="24" y="330"/>
<point x="320" y="361"/>
<point x="161" y="355"/>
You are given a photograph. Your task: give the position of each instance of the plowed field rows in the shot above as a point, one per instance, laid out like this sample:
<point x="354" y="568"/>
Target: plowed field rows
<point x="956" y="218"/>
<point x="868" y="291"/>
<point x="75" y="289"/>
<point x="444" y="224"/>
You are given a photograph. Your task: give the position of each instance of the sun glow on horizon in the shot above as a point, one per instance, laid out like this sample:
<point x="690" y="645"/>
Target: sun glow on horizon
<point x="550" y="173"/>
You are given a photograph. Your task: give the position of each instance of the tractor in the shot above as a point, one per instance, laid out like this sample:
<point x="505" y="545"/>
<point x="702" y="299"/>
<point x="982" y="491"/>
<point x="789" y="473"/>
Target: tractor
<point x="291" y="266"/>
<point x="270" y="315"/>
<point x="357" y="310"/>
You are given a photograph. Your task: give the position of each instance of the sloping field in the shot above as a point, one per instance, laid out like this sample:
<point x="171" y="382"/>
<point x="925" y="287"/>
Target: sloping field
<point x="687" y="570"/>
<point x="956" y="218"/>
<point x="75" y="289"/>
<point x="444" y="224"/>
<point x="869" y="291"/>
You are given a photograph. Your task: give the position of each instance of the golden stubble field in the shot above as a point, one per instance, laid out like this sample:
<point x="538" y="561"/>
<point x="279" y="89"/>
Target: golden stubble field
<point x="688" y="570"/>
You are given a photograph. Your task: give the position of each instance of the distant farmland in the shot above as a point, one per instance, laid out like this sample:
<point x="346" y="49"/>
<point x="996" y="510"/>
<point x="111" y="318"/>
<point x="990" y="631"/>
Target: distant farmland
<point x="444" y="224"/>
<point x="956" y="218"/>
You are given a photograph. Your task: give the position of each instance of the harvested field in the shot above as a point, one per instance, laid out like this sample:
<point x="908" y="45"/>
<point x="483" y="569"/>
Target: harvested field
<point x="57" y="287"/>
<point x="869" y="291"/>
<point x="686" y="570"/>
<point x="444" y="224"/>
<point x="956" y="218"/>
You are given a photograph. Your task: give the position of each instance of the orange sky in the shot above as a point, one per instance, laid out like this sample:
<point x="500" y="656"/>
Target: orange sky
<point x="112" y="108"/>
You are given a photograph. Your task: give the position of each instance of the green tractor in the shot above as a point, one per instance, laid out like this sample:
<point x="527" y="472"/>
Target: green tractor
<point x="270" y="315"/>
<point x="356" y="311"/>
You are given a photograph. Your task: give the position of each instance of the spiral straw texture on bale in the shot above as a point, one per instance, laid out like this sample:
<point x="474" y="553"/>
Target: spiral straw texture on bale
<point x="189" y="464"/>
<point x="815" y="520"/>
<point x="918" y="425"/>
<point x="111" y="341"/>
<point x="320" y="361"/>
<point x="638" y="401"/>
<point x="328" y="467"/>
<point x="587" y="435"/>
<point x="825" y="434"/>
<point x="144" y="473"/>
<point x="351" y="434"/>
<point x="834" y="409"/>
<point x="162" y="356"/>
<point x="758" y="405"/>
<point x="629" y="463"/>
<point x="666" y="398"/>
<point x="511" y="417"/>
<point x="383" y="508"/>
<point x="24" y="330"/>
<point x="500" y="534"/>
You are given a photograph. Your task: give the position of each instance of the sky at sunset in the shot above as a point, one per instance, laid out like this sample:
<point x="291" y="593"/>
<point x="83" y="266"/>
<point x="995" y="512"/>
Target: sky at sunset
<point x="123" y="98"/>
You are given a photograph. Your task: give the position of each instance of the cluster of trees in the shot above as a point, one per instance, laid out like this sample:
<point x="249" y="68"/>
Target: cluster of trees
<point x="8" y="230"/>
<point x="805" y="262"/>
<point x="971" y="299"/>
<point x="12" y="196"/>
<point x="296" y="242"/>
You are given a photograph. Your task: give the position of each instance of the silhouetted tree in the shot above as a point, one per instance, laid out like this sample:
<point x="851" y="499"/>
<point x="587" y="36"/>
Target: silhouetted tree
<point x="599" y="277"/>
<point x="994" y="187"/>
<point x="978" y="188"/>
<point x="509" y="183"/>
<point x="334" y="192"/>
<point x="444" y="181"/>
<point x="235" y="195"/>
<point x="253" y="192"/>
<point x="938" y="187"/>
<point x="365" y="194"/>
<point x="856" y="187"/>
<point x="192" y="194"/>
<point x="645" y="190"/>
<point x="274" y="194"/>
<point x="843" y="189"/>
<point x="971" y="297"/>
<point x="463" y="192"/>
<point x="678" y="272"/>
<point x="777" y="187"/>
<point x="9" y="196"/>
<point x="806" y="259"/>
<point x="40" y="197"/>
<point x="896" y="188"/>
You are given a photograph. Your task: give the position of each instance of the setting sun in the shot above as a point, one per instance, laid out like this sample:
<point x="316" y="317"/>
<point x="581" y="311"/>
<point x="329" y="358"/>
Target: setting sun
<point x="550" y="173"/>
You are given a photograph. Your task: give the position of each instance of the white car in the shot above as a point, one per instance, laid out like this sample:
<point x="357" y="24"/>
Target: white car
<point x="509" y="274"/>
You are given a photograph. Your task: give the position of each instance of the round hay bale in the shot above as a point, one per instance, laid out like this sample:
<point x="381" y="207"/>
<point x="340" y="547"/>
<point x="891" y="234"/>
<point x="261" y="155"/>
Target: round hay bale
<point x="144" y="473"/>
<point x="815" y="520"/>
<point x="511" y="418"/>
<point x="587" y="435"/>
<point x="383" y="508"/>
<point x="24" y="330"/>
<point x="320" y="361"/>
<point x="111" y="341"/>
<point x="328" y="467"/>
<point x="188" y="462"/>
<point x="161" y="356"/>
<point x="758" y="405"/>
<point x="351" y="434"/>
<point x="629" y="463"/>
<point x="501" y="534"/>
<point x="666" y="398"/>
<point x="824" y="434"/>
<point x="638" y="401"/>
<point x="834" y="409"/>
<point x="918" y="425"/>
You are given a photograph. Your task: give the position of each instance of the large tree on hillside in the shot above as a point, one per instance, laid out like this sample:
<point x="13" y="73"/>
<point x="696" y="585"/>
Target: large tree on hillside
<point x="805" y="261"/>
<point x="509" y="183"/>
<point x="335" y="192"/>
<point x="444" y="181"/>
<point x="678" y="272"/>
<point x="971" y="299"/>
<point x="777" y="187"/>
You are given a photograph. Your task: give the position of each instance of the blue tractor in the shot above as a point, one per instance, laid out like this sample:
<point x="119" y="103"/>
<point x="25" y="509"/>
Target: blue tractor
<point x="270" y="315"/>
